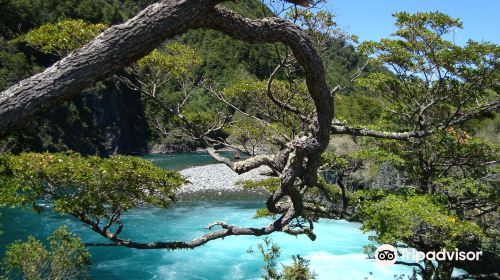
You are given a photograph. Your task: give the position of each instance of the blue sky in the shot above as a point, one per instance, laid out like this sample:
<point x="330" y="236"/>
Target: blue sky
<point x="372" y="20"/>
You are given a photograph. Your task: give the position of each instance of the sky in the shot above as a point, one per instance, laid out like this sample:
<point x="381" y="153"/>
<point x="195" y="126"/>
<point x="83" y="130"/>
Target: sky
<point x="372" y="20"/>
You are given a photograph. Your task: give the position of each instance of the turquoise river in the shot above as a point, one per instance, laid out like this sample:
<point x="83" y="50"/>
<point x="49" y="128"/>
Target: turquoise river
<point x="337" y="253"/>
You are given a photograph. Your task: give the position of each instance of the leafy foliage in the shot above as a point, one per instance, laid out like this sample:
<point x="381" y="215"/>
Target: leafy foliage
<point x="433" y="86"/>
<point x="432" y="83"/>
<point x="86" y="186"/>
<point x="298" y="270"/>
<point x="358" y="108"/>
<point x="270" y="184"/>
<point x="418" y="221"/>
<point x="249" y="134"/>
<point x="263" y="213"/>
<point x="449" y="153"/>
<point x="227" y="61"/>
<point x="331" y="161"/>
<point x="270" y="253"/>
<point x="173" y="60"/>
<point x="252" y="95"/>
<point x="66" y="258"/>
<point x="20" y="16"/>
<point x="62" y="37"/>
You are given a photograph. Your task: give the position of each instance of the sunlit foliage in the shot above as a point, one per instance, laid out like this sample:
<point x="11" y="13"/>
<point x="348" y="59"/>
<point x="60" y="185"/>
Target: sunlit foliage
<point x="89" y="187"/>
<point x="66" y="258"/>
<point x="62" y="37"/>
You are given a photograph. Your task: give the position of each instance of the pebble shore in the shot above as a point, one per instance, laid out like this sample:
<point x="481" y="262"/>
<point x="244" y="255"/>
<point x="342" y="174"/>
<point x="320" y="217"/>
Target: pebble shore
<point x="218" y="180"/>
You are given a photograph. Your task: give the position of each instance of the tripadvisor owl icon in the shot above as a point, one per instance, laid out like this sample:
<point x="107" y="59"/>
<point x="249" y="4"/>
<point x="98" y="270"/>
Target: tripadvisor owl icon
<point x="386" y="254"/>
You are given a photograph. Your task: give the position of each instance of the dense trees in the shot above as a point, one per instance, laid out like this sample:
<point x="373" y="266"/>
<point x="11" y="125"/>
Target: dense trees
<point x="433" y="84"/>
<point x="102" y="126"/>
<point x="91" y="123"/>
<point x="434" y="88"/>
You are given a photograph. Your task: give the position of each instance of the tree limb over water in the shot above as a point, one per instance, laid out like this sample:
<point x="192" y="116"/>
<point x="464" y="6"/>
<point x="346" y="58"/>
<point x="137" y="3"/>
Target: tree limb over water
<point x="123" y="44"/>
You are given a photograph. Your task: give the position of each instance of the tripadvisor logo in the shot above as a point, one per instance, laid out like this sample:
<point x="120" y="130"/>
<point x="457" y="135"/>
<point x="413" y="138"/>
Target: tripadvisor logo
<point x="388" y="255"/>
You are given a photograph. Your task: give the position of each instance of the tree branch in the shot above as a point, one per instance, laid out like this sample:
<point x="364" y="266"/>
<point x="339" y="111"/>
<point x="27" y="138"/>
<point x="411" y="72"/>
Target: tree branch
<point x="123" y="44"/>
<point x="280" y="104"/>
<point x="355" y="131"/>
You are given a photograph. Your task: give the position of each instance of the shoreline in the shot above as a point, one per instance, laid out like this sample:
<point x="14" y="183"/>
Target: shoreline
<point x="219" y="181"/>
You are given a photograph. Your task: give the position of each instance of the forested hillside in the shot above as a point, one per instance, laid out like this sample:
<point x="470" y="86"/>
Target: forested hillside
<point x="111" y="118"/>
<point x="105" y="118"/>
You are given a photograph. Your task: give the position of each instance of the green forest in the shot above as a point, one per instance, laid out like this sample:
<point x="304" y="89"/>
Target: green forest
<point x="400" y="135"/>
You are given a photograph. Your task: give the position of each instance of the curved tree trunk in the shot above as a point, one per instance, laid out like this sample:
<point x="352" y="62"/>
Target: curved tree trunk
<point x="296" y="164"/>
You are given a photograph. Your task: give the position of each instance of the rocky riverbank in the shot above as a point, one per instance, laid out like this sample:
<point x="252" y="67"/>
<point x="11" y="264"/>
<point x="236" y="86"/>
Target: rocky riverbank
<point x="219" y="181"/>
